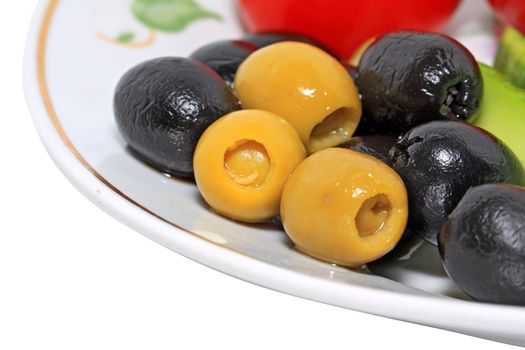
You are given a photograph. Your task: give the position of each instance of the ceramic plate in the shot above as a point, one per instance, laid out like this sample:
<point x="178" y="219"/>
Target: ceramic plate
<point x="76" y="52"/>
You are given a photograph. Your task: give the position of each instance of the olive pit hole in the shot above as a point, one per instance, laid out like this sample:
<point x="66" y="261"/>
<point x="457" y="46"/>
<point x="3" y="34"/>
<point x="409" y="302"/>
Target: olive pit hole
<point x="452" y="105"/>
<point x="336" y="128"/>
<point x="247" y="163"/>
<point x="372" y="215"/>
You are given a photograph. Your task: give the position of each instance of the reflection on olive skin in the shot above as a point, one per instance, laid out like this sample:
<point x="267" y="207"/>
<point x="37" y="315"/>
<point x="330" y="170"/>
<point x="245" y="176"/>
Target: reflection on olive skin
<point x="409" y="78"/>
<point x="439" y="161"/>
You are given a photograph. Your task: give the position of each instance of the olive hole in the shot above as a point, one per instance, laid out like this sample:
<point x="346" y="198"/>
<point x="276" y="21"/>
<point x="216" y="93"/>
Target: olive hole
<point x="247" y="163"/>
<point x="399" y="154"/>
<point x="452" y="106"/>
<point x="372" y="215"/>
<point x="335" y="129"/>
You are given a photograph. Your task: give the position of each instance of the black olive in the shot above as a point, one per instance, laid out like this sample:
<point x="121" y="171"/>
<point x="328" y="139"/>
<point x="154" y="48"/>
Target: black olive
<point x="377" y="146"/>
<point x="482" y="244"/>
<point x="277" y="221"/>
<point x="365" y="127"/>
<point x="163" y="106"/>
<point x="439" y="161"/>
<point x="224" y="57"/>
<point x="408" y="78"/>
<point x="352" y="71"/>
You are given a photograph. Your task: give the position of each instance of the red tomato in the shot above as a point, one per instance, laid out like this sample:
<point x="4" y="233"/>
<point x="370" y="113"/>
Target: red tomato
<point x="511" y="12"/>
<point x="343" y="25"/>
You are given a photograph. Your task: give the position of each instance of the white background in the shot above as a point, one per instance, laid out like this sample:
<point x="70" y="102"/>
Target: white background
<point x="71" y="277"/>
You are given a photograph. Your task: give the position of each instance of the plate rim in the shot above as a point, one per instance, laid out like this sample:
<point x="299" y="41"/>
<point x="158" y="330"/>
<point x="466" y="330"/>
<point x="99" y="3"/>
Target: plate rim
<point x="500" y="321"/>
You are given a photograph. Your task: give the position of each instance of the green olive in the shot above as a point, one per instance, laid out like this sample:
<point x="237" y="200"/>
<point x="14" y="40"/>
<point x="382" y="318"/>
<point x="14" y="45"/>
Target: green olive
<point x="242" y="162"/>
<point x="304" y="85"/>
<point x="344" y="207"/>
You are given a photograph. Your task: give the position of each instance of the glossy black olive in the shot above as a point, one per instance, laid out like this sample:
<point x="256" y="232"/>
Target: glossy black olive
<point x="277" y="221"/>
<point x="482" y="244"/>
<point x="224" y="57"/>
<point x="365" y="127"/>
<point x="439" y="161"/>
<point x="375" y="145"/>
<point x="408" y="78"/>
<point x="352" y="71"/>
<point x="163" y="106"/>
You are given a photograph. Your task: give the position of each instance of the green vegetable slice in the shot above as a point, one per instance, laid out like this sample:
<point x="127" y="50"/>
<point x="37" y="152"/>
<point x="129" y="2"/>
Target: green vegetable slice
<point x="510" y="58"/>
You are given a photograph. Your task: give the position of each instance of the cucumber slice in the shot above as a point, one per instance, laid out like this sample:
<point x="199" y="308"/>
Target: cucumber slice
<point x="510" y="58"/>
<point x="502" y="110"/>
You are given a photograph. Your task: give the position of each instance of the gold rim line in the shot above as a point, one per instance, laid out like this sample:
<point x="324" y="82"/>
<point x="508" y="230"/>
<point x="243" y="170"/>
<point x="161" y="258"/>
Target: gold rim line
<point x="43" y="37"/>
<point x="42" y="82"/>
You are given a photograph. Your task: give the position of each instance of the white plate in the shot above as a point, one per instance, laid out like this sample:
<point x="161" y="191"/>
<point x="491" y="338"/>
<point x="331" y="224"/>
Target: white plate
<point x="71" y="70"/>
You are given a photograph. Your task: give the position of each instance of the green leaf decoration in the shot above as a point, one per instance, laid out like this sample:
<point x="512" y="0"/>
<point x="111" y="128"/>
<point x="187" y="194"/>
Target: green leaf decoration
<point x="170" y="15"/>
<point x="125" y="37"/>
